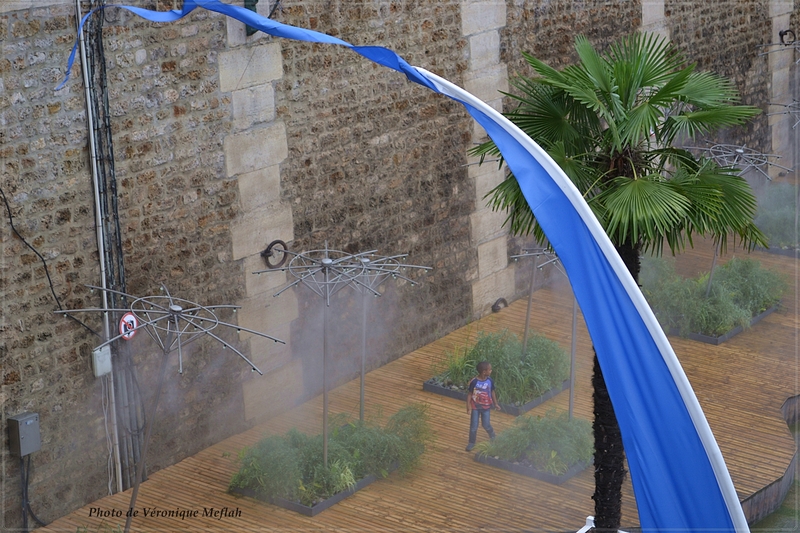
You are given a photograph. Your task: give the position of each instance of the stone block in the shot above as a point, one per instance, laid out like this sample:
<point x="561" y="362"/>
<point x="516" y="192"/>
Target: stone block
<point x="484" y="50"/>
<point x="653" y="13"/>
<point x="782" y="146"/>
<point x="265" y="311"/>
<point x="781" y="88"/>
<point x="254" y="105"/>
<point x="487" y="83"/>
<point x="487" y="176"/>
<point x="255" y="149"/>
<point x="253" y="231"/>
<point x="486" y="291"/>
<point x="781" y="57"/>
<point x="492" y="256"/>
<point x="260" y="187"/>
<point x="274" y="392"/>
<point x="249" y="66"/>
<point x="266" y="283"/>
<point x="780" y="7"/>
<point x="481" y="15"/>
<point x="237" y="34"/>
<point x="267" y="354"/>
<point x="487" y="225"/>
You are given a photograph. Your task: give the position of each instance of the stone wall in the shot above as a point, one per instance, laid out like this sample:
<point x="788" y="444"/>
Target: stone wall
<point x="724" y="38"/>
<point x="225" y="142"/>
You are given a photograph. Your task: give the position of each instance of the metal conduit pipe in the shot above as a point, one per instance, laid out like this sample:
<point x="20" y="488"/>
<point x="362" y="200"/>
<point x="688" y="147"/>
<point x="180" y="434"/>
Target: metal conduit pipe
<point x="100" y="236"/>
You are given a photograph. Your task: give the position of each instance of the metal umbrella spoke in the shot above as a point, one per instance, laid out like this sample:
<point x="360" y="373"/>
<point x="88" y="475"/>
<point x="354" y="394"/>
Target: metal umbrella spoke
<point x="741" y="157"/>
<point x="226" y="344"/>
<point x="789" y="109"/>
<point x="788" y="41"/>
<point x="142" y="325"/>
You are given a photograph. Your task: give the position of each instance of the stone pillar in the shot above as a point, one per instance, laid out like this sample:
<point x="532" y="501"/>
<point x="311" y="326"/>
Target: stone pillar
<point x="481" y="22"/>
<point x="780" y="71"/>
<point x="653" y="18"/>
<point x="254" y="150"/>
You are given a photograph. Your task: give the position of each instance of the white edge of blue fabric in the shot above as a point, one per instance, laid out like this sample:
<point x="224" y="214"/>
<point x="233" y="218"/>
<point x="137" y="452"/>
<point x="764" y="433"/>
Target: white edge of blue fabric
<point x="613" y="258"/>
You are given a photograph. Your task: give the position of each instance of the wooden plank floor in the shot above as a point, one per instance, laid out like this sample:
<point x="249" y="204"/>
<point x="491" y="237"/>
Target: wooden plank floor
<point x="741" y="386"/>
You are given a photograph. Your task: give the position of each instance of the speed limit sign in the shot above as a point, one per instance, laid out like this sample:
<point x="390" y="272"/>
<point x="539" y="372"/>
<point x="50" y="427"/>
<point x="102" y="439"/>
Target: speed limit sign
<point x="127" y="325"/>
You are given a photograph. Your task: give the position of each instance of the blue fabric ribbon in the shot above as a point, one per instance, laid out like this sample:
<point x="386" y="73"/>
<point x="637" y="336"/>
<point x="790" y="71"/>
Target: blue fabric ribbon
<point x="378" y="54"/>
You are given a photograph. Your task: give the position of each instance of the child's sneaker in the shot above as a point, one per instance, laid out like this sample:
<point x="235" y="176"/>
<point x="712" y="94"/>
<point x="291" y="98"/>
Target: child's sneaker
<point x="470" y="446"/>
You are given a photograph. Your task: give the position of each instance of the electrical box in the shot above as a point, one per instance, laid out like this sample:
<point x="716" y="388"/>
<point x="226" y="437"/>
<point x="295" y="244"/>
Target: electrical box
<point x="101" y="361"/>
<point x="23" y="434"/>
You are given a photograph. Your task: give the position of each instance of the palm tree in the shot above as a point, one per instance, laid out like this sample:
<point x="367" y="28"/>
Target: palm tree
<point x="612" y="123"/>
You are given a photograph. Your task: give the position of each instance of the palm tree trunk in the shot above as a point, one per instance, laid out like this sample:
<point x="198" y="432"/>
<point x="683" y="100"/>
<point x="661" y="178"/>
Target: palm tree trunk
<point x="609" y="454"/>
<point x="609" y="458"/>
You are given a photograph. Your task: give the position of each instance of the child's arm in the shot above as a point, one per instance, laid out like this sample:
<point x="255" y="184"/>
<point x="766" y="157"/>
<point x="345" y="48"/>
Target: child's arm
<point x="470" y="388"/>
<point x="494" y="401"/>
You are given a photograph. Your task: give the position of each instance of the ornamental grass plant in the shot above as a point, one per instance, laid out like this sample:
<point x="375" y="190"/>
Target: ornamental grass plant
<point x="519" y="378"/>
<point x="552" y="443"/>
<point x="290" y="466"/>
<point x="777" y="216"/>
<point x="740" y="290"/>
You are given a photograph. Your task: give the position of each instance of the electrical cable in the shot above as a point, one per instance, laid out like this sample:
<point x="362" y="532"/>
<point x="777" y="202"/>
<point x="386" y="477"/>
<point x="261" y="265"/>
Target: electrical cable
<point x="130" y="407"/>
<point x="25" y="474"/>
<point x="44" y="262"/>
<point x="272" y="11"/>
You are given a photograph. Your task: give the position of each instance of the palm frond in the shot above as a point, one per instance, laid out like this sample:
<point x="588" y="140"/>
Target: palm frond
<point x="642" y="210"/>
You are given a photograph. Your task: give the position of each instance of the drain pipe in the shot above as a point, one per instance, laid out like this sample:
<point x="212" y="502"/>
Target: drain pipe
<point x="100" y="235"/>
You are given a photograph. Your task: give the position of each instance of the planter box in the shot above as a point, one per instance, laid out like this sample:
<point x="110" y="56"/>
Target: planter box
<point x="516" y="410"/>
<point x="788" y="252"/>
<point x="531" y="472"/>
<point x="305" y="509"/>
<point x="722" y="338"/>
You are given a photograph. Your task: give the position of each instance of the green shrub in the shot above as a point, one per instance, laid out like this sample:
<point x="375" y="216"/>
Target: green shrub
<point x="290" y="466"/>
<point x="751" y="287"/>
<point x="776" y="216"/>
<point x="518" y="377"/>
<point x="740" y="290"/>
<point x="552" y="443"/>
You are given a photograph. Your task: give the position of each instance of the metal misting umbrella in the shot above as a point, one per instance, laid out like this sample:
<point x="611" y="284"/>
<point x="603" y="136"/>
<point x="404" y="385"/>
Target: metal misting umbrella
<point x="172" y="323"/>
<point x="550" y="258"/>
<point x="326" y="272"/>
<point x="375" y="270"/>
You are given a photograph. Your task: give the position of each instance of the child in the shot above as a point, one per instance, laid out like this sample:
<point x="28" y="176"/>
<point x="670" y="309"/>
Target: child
<point x="480" y="400"/>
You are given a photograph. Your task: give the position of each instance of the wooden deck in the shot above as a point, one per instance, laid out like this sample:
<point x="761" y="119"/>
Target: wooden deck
<point x="741" y="385"/>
